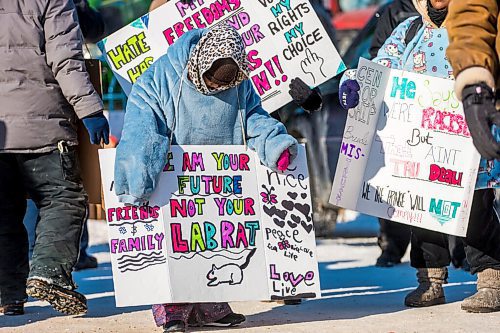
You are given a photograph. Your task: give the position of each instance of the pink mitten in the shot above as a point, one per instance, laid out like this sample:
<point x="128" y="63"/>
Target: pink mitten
<point x="284" y="160"/>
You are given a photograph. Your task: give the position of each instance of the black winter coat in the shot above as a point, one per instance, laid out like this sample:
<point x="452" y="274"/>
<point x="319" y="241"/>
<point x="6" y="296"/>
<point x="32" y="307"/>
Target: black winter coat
<point x="91" y="21"/>
<point x="390" y="17"/>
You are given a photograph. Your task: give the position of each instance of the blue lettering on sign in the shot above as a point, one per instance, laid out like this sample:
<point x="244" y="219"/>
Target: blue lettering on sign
<point x="406" y="88"/>
<point x="442" y="210"/>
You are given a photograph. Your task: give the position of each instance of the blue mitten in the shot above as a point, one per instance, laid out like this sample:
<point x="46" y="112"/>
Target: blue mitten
<point x="98" y="128"/>
<point x="349" y="94"/>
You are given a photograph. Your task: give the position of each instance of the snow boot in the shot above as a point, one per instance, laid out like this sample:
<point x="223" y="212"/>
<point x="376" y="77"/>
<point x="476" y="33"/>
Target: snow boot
<point x="63" y="300"/>
<point x="174" y="326"/>
<point x="86" y="262"/>
<point x="487" y="298"/>
<point x="387" y="259"/>
<point x="231" y="320"/>
<point x="14" y="309"/>
<point x="430" y="288"/>
<point x="294" y="301"/>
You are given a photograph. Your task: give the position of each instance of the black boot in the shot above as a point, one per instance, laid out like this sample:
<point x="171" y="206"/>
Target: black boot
<point x="232" y="319"/>
<point x="174" y="326"/>
<point x="85" y="262"/>
<point x="296" y="301"/>
<point x="15" y="309"/>
<point x="387" y="259"/>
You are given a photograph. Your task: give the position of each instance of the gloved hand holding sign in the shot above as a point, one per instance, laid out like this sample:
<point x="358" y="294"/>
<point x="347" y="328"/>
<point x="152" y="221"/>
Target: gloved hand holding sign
<point x="305" y="97"/>
<point x="481" y="114"/>
<point x="349" y="94"/>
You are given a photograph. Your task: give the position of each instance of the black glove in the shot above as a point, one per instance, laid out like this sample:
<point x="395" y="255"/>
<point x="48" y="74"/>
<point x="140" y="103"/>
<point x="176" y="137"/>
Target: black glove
<point x="305" y="97"/>
<point x="481" y="114"/>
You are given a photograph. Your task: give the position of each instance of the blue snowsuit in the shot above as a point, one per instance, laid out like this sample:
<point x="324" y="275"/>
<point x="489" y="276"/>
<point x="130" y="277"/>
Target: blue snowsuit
<point x="164" y="99"/>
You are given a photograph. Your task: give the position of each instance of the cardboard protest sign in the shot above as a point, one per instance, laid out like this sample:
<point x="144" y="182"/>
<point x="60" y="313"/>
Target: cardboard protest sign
<point x="219" y="227"/>
<point x="407" y="154"/>
<point x="284" y="39"/>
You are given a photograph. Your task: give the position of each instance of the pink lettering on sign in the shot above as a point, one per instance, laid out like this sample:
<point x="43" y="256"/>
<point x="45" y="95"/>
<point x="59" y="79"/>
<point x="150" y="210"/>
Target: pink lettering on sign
<point x="443" y="175"/>
<point x="132" y="213"/>
<point x="444" y="121"/>
<point x="133" y="244"/>
<point x="202" y="17"/>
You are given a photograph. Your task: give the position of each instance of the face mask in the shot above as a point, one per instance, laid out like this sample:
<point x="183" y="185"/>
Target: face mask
<point x="437" y="16"/>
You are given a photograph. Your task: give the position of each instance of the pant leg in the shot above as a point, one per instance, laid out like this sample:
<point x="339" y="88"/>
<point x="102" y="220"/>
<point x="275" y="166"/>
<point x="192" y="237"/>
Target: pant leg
<point x="394" y="237"/>
<point x="30" y="221"/>
<point x="204" y="313"/>
<point x="483" y="234"/>
<point x="54" y="183"/>
<point x="84" y="242"/>
<point x="32" y="218"/>
<point x="457" y="250"/>
<point x="429" y="249"/>
<point x="13" y="237"/>
<point x="165" y="313"/>
<point x="194" y="314"/>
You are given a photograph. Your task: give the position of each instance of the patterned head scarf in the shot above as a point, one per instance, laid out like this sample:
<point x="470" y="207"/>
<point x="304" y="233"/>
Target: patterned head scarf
<point x="220" y="42"/>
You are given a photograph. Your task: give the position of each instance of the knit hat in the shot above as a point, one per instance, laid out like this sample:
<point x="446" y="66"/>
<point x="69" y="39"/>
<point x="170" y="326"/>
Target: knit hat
<point x="222" y="72"/>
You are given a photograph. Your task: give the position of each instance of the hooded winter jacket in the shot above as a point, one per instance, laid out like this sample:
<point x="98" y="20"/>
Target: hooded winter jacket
<point x="424" y="54"/>
<point x="474" y="42"/>
<point x="44" y="86"/>
<point x="166" y="103"/>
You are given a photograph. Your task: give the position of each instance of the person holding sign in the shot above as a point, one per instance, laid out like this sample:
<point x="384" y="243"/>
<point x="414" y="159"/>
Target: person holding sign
<point x="198" y="93"/>
<point x="425" y="53"/>
<point x="474" y="53"/>
<point x="393" y="238"/>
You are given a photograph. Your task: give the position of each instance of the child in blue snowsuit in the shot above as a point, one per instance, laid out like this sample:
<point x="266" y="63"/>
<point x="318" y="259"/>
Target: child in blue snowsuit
<point x="425" y="53"/>
<point x="198" y="93"/>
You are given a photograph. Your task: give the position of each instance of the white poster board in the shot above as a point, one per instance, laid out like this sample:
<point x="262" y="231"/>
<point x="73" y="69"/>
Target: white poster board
<point x="219" y="227"/>
<point x="284" y="39"/>
<point x="407" y="154"/>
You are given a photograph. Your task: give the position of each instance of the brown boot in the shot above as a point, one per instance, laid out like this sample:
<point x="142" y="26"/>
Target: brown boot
<point x="63" y="300"/>
<point x="430" y="288"/>
<point x="487" y="298"/>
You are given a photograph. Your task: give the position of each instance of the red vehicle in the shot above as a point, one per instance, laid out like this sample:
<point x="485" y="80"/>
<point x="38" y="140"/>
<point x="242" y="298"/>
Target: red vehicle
<point x="348" y="24"/>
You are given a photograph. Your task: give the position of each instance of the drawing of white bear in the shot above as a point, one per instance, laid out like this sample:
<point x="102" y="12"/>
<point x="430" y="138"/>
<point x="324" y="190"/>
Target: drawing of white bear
<point x="229" y="273"/>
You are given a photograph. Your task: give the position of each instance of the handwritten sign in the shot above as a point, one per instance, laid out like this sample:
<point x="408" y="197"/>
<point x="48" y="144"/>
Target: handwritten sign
<point x="407" y="154"/>
<point x="284" y="39"/>
<point x="219" y="227"/>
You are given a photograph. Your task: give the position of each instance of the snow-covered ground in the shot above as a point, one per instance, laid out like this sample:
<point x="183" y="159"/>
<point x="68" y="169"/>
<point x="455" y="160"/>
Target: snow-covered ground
<point x="356" y="297"/>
